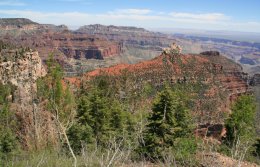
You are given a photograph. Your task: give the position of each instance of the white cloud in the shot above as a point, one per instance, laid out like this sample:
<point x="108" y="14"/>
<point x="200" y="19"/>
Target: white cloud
<point x="11" y="3"/>
<point x="201" y="17"/>
<point x="138" y="17"/>
<point x="131" y="11"/>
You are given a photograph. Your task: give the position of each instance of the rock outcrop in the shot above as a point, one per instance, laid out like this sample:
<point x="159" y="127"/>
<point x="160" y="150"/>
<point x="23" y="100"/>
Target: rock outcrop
<point x="21" y="68"/>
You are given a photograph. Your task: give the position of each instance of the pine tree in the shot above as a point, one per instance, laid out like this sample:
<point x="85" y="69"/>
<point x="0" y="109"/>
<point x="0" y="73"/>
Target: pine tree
<point x="241" y="135"/>
<point x="100" y="118"/>
<point x="241" y="122"/>
<point x="100" y="114"/>
<point x="8" y="125"/>
<point x="168" y="121"/>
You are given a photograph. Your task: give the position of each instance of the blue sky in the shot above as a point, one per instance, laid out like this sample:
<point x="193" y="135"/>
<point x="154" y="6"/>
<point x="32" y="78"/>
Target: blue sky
<point x="232" y="15"/>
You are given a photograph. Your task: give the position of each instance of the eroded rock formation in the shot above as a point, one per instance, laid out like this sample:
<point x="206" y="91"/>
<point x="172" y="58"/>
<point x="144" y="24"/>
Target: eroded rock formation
<point x="21" y="68"/>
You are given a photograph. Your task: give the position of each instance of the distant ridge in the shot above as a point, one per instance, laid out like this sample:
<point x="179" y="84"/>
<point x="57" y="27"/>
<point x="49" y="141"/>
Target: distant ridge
<point x="15" y="21"/>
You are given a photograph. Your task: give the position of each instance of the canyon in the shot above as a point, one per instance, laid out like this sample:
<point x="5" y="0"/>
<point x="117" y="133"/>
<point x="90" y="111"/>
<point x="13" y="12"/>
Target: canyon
<point x="95" y="46"/>
<point x="245" y="53"/>
<point x="133" y="61"/>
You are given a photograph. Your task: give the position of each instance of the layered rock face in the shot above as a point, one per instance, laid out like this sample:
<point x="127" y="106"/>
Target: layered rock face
<point x="129" y="36"/>
<point x="68" y="45"/>
<point x="138" y="44"/>
<point x="84" y="46"/>
<point x="235" y="82"/>
<point x="21" y="68"/>
<point x="57" y="39"/>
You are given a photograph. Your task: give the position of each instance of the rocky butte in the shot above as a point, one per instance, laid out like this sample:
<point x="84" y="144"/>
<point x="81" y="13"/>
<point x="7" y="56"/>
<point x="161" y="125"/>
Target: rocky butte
<point x="21" y="68"/>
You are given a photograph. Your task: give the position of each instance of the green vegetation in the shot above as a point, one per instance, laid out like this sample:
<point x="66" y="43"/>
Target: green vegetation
<point x="8" y="125"/>
<point x="241" y="139"/>
<point x="61" y="102"/>
<point x="9" y="52"/>
<point x="99" y="119"/>
<point x="169" y="128"/>
<point x="241" y="123"/>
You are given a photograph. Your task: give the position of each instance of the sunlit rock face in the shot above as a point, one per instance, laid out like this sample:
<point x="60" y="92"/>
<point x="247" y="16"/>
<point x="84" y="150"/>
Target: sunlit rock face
<point x="21" y="69"/>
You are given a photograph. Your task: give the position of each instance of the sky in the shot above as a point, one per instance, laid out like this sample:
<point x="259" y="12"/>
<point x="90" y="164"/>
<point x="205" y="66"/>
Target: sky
<point x="231" y="15"/>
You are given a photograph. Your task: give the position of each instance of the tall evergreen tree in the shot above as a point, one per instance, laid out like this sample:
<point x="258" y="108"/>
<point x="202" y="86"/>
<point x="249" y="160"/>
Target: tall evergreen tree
<point x="8" y="123"/>
<point x="241" y="138"/>
<point x="168" y="121"/>
<point x="99" y="118"/>
<point x="241" y="122"/>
